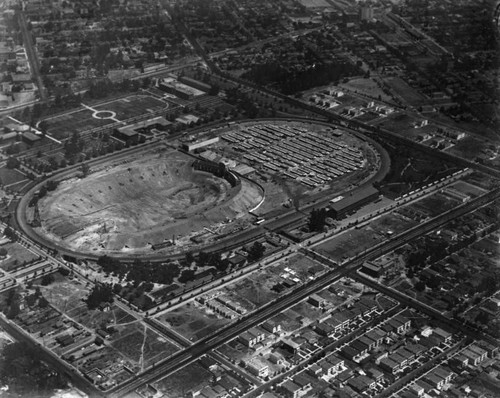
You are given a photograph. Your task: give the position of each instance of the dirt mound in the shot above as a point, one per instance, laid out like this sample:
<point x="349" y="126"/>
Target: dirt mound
<point x="134" y="205"/>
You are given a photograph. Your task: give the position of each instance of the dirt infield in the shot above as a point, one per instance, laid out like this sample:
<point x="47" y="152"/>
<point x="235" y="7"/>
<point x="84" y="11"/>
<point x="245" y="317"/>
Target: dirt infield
<point x="128" y="207"/>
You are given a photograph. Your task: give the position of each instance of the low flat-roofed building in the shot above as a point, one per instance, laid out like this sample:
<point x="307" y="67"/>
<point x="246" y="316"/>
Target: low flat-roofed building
<point x="127" y="134"/>
<point x="434" y="380"/>
<point x="370" y="269"/>
<point x="257" y="367"/>
<point x="443" y="335"/>
<point x="417" y="389"/>
<point x="317" y="301"/>
<point x="30" y="138"/>
<point x="353" y="201"/>
<point x="389" y="365"/>
<point x="291" y="390"/>
<point x="361" y="383"/>
<point x="376" y="335"/>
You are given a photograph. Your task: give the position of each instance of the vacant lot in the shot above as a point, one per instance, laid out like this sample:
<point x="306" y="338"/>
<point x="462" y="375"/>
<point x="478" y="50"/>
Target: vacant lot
<point x="183" y="381"/>
<point x="142" y="346"/>
<point x="132" y="206"/>
<point x="129" y="107"/>
<point x="193" y="321"/>
<point x="366" y="86"/>
<point x="11" y="176"/>
<point x="16" y="256"/>
<point x="350" y="243"/>
<point x="435" y="204"/>
<point x="410" y="95"/>
<point x="258" y="288"/>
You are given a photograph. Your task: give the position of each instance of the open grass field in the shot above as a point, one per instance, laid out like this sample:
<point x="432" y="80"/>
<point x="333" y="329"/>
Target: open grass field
<point x="67" y="296"/>
<point x="11" y="176"/>
<point x="16" y="256"/>
<point x="132" y="206"/>
<point x="315" y="3"/>
<point x="180" y="383"/>
<point x="63" y="126"/>
<point x="256" y="289"/>
<point x="129" y="107"/>
<point x="142" y="346"/>
<point x="355" y="241"/>
<point x="468" y="189"/>
<point x="366" y="86"/>
<point x="435" y="204"/>
<point x="410" y="95"/>
<point x="349" y="243"/>
<point x="193" y="321"/>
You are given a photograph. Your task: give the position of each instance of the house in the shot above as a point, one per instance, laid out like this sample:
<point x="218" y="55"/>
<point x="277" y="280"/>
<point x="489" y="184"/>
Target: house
<point x="434" y="380"/>
<point x="461" y="360"/>
<point x="257" y="333"/>
<point x="336" y="362"/>
<point x="257" y="367"/>
<point x="324" y="329"/>
<point x="482" y="354"/>
<point x="375" y="374"/>
<point x="491" y="349"/>
<point x="370" y="269"/>
<point x="445" y="373"/>
<point x="376" y="335"/>
<point x="278" y="359"/>
<point x="415" y="349"/>
<point x="30" y="138"/>
<point x="271" y="326"/>
<point x="303" y="381"/>
<point x="290" y="345"/>
<point x="315" y="370"/>
<point x="291" y="390"/>
<point x="247" y="339"/>
<point x="317" y="301"/>
<point x="442" y="335"/>
<point x="350" y="352"/>
<point x="419" y="390"/>
<point x="367" y="342"/>
<point x="361" y="347"/>
<point x="361" y="383"/>
<point x="326" y="367"/>
<point x="426" y="386"/>
<point x="389" y="365"/>
<point x="237" y="261"/>
<point x="398" y="324"/>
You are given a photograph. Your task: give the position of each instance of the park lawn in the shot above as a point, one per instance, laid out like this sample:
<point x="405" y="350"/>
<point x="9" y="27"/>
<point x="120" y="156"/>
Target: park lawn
<point x="193" y="321"/>
<point x="11" y="176"/>
<point x="184" y="380"/>
<point x="17" y="256"/>
<point x="349" y="243"/>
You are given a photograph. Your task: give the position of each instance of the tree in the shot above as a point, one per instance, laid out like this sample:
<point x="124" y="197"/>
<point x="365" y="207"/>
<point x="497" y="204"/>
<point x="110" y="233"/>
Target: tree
<point x="14" y="310"/>
<point x="189" y="258"/>
<point x="99" y="294"/>
<point x="47" y="279"/>
<point x="85" y="169"/>
<point x="317" y="220"/>
<point x="13" y="163"/>
<point x="420" y="286"/>
<point x="186" y="276"/>
<point x="26" y="374"/>
<point x="10" y="234"/>
<point x="3" y="252"/>
<point x="42" y="302"/>
<point x="256" y="252"/>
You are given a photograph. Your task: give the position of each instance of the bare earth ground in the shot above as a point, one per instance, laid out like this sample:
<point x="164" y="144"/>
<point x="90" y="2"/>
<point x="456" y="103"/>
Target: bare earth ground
<point x="131" y="206"/>
<point x="365" y="86"/>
